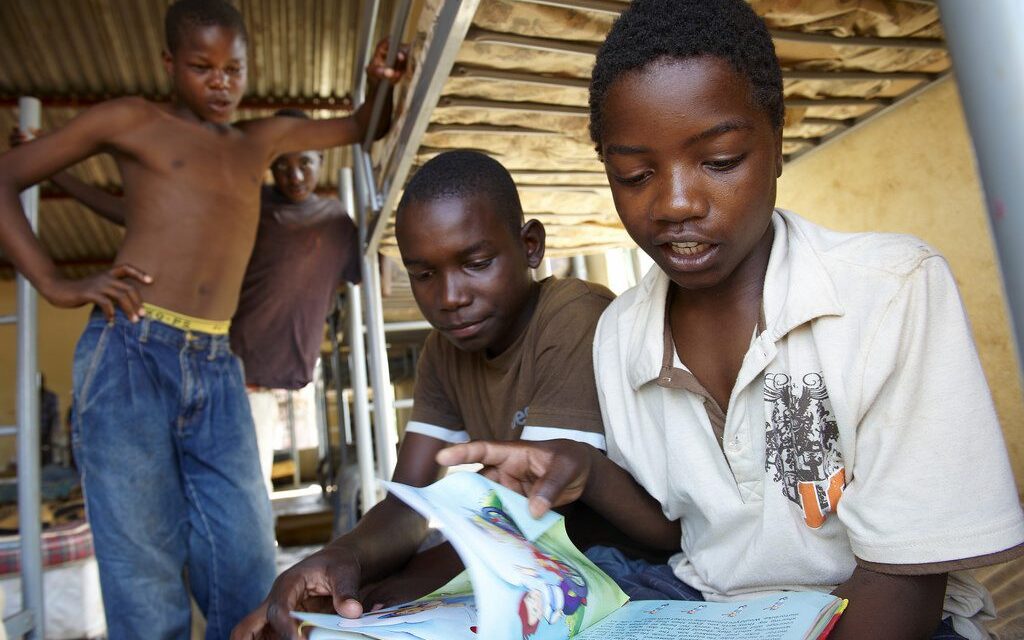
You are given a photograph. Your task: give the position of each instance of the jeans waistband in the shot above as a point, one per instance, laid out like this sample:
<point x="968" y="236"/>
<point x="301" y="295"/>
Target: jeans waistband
<point x="150" y="330"/>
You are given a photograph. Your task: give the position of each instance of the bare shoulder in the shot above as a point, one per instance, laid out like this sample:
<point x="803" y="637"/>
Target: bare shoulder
<point x="127" y="109"/>
<point x="263" y="126"/>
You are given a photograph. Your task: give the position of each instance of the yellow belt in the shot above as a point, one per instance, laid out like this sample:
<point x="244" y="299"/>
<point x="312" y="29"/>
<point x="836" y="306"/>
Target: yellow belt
<point x="185" y="323"/>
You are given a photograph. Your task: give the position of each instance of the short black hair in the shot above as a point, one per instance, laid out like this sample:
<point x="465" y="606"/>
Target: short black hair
<point x="651" y="29"/>
<point x="466" y="174"/>
<point x="185" y="15"/>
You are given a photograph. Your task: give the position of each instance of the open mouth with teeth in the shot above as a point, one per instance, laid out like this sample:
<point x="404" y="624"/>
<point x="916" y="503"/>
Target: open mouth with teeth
<point x="689" y="248"/>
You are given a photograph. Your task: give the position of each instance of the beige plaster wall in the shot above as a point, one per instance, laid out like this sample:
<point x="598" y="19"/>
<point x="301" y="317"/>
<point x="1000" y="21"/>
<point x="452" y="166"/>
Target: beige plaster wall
<point x="912" y="171"/>
<point x="58" y="332"/>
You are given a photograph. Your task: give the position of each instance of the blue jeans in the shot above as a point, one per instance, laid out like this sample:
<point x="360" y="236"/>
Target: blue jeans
<point x="642" y="580"/>
<point x="166" y="447"/>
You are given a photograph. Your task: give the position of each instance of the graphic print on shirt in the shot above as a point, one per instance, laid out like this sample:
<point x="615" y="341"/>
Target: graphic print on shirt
<point x="802" y="442"/>
<point x="519" y="419"/>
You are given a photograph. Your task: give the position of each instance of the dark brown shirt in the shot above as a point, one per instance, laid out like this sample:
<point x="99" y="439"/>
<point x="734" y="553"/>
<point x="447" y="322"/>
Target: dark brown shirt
<point x="302" y="252"/>
<point x="544" y="381"/>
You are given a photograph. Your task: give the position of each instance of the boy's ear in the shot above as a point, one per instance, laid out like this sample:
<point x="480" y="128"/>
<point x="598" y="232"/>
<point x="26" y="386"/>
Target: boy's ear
<point x="532" y="236"/>
<point x="168" y="60"/>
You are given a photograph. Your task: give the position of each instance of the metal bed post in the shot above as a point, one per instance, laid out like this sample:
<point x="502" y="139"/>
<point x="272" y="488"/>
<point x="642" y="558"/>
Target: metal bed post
<point x="357" y="369"/>
<point x="992" y="92"/>
<point x="374" y="205"/>
<point x="368" y="200"/>
<point x="29" y="622"/>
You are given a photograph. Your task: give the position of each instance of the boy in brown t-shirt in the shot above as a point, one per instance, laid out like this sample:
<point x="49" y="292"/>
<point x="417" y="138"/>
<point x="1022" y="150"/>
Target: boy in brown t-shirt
<point x="510" y="359"/>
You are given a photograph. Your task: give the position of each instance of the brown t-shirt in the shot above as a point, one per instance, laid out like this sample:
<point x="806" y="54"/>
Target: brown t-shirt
<point x="541" y="387"/>
<point x="302" y="252"/>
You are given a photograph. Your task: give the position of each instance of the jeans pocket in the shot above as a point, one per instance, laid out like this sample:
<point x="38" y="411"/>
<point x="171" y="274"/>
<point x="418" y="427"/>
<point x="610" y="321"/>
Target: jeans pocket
<point x="88" y="358"/>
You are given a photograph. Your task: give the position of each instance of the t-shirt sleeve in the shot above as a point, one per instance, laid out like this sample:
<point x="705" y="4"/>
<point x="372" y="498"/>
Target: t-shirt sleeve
<point x="564" y="403"/>
<point x="434" y="412"/>
<point x="930" y="480"/>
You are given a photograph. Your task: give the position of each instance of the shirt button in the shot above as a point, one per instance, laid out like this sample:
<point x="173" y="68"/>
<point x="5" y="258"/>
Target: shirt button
<point x="735" y="444"/>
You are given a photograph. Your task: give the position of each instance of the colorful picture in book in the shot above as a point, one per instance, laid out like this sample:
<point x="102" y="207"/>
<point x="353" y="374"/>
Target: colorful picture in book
<point x="552" y="593"/>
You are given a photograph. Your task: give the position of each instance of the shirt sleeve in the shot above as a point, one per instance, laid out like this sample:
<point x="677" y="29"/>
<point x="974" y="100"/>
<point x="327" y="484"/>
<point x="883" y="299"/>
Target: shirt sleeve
<point x="434" y="412"/>
<point x="930" y="480"/>
<point x="564" y="403"/>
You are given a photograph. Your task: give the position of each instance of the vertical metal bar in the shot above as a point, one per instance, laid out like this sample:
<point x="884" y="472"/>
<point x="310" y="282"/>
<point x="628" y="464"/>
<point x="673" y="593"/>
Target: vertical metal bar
<point x="29" y="490"/>
<point x="453" y="21"/>
<point x="357" y="367"/>
<point x="579" y="267"/>
<point x="992" y="91"/>
<point x="395" y="39"/>
<point x="323" y="429"/>
<point x="290" y="406"/>
<point x="363" y="434"/>
<point x="384" y="423"/>
<point x="341" y="405"/>
<point x="367" y="26"/>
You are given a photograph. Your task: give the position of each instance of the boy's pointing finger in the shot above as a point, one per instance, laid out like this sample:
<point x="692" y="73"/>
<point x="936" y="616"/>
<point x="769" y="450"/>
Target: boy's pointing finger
<point x="486" y="453"/>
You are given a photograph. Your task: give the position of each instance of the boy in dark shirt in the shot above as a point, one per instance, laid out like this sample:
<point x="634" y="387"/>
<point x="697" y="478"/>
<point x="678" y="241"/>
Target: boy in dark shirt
<point x="305" y="247"/>
<point x="510" y="359"/>
<point x="162" y="431"/>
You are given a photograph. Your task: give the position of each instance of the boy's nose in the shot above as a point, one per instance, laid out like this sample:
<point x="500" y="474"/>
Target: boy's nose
<point x="219" y="79"/>
<point x="683" y="197"/>
<point x="454" y="294"/>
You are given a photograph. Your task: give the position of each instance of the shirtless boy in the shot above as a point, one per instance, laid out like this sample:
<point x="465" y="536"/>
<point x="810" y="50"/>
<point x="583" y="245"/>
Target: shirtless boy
<point x="160" y="402"/>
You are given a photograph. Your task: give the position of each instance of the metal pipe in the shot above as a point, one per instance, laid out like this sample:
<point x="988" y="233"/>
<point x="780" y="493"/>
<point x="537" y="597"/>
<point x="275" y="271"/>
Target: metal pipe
<point x="403" y="403"/>
<point x="410" y="325"/>
<point x="323" y="426"/>
<point x="8" y="320"/>
<point x="367" y="25"/>
<point x="579" y="267"/>
<point x="385" y="430"/>
<point x="344" y="433"/>
<point x="29" y="477"/>
<point x="450" y="29"/>
<point x="357" y="367"/>
<point x="384" y="424"/>
<point x="992" y="92"/>
<point x="394" y="40"/>
<point x="293" y="434"/>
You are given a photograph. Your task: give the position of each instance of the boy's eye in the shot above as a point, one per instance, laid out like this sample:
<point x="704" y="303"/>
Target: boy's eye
<point x="634" y="179"/>
<point x="200" y="67"/>
<point x="724" y="164"/>
<point x="233" y="71"/>
<point x="479" y="265"/>
<point x="420" y="276"/>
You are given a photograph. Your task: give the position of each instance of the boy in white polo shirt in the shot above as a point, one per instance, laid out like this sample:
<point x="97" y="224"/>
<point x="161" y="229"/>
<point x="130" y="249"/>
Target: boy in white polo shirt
<point x="808" y="404"/>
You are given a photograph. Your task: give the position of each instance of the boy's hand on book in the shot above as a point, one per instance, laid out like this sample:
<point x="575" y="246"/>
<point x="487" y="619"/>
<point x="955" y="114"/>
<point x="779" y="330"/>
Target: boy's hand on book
<point x="378" y="68"/>
<point x="550" y="473"/>
<point x="325" y="582"/>
<point x="110" y="290"/>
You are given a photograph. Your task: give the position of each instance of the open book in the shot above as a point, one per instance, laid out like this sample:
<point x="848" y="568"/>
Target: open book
<point x="525" y="580"/>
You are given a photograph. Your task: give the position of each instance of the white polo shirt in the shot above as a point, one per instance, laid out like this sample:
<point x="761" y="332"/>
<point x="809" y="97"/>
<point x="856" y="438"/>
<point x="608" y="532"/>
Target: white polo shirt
<point x="860" y="427"/>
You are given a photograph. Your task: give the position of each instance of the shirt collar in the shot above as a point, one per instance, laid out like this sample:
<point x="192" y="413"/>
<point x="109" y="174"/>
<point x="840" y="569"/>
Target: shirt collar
<point x="797" y="289"/>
